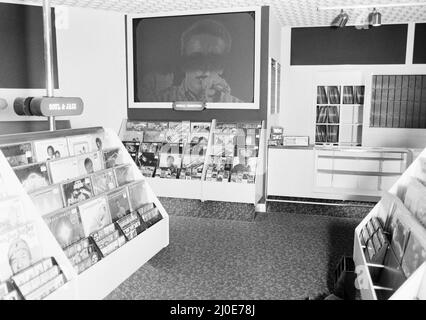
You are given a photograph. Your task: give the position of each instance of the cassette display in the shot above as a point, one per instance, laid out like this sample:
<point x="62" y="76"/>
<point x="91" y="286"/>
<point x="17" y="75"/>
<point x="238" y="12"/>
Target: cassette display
<point x="82" y="254"/>
<point x="47" y="288"/>
<point x="131" y="225"/>
<point x="39" y="280"/>
<point x="108" y="239"/>
<point x="150" y="217"/>
<point x="33" y="177"/>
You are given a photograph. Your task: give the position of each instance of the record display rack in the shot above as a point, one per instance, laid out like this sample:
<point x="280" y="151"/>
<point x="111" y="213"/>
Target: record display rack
<point x="394" y="268"/>
<point x="107" y="272"/>
<point x="204" y="190"/>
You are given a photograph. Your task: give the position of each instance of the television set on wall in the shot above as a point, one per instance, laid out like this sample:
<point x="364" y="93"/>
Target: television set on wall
<point x="208" y="56"/>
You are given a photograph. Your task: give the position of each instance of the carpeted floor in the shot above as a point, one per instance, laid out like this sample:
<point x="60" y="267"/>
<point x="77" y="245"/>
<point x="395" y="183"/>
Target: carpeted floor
<point x="278" y="256"/>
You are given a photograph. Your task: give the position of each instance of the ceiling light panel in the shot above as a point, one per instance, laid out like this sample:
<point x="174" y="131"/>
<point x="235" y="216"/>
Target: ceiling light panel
<point x="289" y="12"/>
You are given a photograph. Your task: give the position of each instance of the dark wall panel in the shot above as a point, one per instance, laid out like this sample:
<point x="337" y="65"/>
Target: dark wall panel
<point x="220" y="114"/>
<point x="349" y="45"/>
<point x="22" y="47"/>
<point x="419" y="55"/>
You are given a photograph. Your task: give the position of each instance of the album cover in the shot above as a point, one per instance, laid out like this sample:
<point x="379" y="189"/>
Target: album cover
<point x="77" y="247"/>
<point x="134" y="136"/>
<point x="200" y="132"/>
<point x="137" y="195"/>
<point x="226" y="128"/>
<point x="103" y="182"/>
<point x="119" y="205"/>
<point x="51" y="149"/>
<point x="124" y="175"/>
<point x="151" y="217"/>
<point x="112" y="158"/>
<point x="174" y="133"/>
<point x="97" y="140"/>
<point x="19" y="249"/>
<point x="136" y="125"/>
<point x="18" y="154"/>
<point x="400" y="236"/>
<point x="89" y="163"/>
<point x="94" y="215"/>
<point x="48" y="200"/>
<point x="150" y="147"/>
<point x="132" y="148"/>
<point x="148" y="171"/>
<point x="64" y="169"/>
<point x="414" y="256"/>
<point x="77" y="191"/>
<point x="33" y="177"/>
<point x="154" y="136"/>
<point x="247" y="152"/>
<point x="79" y="144"/>
<point x="158" y="125"/>
<point x="66" y="226"/>
<point x="172" y="161"/>
<point x="148" y="159"/>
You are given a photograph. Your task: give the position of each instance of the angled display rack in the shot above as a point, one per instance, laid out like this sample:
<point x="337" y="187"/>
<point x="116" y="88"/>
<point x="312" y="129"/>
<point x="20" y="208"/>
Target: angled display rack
<point x="92" y="209"/>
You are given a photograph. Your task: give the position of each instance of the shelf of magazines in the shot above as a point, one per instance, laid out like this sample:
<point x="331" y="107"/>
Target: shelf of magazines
<point x="199" y="160"/>
<point x="390" y="243"/>
<point x="94" y="206"/>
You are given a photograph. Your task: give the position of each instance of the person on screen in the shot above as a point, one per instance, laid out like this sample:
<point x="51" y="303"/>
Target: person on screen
<point x="204" y="49"/>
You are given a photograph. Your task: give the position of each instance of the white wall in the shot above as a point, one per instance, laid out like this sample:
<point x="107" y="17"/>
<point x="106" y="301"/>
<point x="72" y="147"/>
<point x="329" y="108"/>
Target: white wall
<point x="299" y="92"/>
<point x="91" y="65"/>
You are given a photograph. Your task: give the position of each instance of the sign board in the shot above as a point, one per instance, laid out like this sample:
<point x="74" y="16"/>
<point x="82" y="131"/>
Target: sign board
<point x="56" y="106"/>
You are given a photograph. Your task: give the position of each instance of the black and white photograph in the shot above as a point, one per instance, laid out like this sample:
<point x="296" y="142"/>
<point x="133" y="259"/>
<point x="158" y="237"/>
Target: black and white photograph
<point x="223" y="158"/>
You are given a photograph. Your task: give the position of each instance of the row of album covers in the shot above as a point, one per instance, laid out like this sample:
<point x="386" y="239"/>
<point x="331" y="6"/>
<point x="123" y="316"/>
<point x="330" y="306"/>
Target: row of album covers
<point x="179" y="150"/>
<point x="395" y="237"/>
<point x="90" y="199"/>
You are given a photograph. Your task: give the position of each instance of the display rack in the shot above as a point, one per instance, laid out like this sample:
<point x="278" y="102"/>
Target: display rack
<point x="339" y="114"/>
<point x="204" y="190"/>
<point x="97" y="281"/>
<point x="371" y="275"/>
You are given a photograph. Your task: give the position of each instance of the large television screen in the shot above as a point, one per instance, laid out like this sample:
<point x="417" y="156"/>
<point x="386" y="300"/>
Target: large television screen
<point x="209" y="58"/>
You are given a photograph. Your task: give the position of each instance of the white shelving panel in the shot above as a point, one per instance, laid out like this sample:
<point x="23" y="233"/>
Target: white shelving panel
<point x="414" y="285"/>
